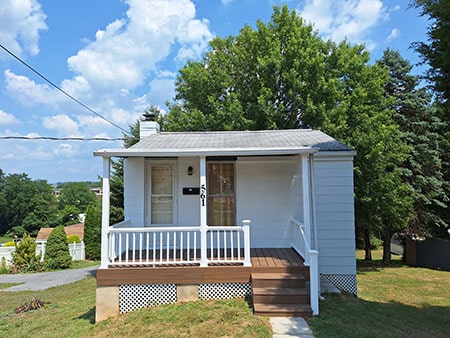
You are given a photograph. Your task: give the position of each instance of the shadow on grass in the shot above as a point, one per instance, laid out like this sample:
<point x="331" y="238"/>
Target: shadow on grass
<point x="89" y="316"/>
<point x="377" y="264"/>
<point x="347" y="316"/>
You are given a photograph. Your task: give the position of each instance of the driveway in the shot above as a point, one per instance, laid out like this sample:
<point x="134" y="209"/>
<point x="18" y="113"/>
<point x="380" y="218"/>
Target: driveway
<point x="45" y="280"/>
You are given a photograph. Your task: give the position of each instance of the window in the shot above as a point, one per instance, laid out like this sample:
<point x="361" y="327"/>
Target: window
<point x="162" y="194"/>
<point x="221" y="194"/>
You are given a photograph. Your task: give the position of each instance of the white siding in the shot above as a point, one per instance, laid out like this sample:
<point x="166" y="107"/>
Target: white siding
<point x="134" y="190"/>
<point x="269" y="194"/>
<point x="335" y="214"/>
<point x="188" y="205"/>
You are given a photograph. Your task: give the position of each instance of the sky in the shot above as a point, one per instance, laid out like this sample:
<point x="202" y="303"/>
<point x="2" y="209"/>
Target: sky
<point x="117" y="57"/>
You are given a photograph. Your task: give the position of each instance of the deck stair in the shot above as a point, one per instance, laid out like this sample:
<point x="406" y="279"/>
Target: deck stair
<point x="280" y="295"/>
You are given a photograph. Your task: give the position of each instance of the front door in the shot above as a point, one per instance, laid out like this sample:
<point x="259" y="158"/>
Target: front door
<point x="221" y="193"/>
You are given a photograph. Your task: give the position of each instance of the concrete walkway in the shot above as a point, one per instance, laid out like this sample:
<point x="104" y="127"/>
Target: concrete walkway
<point x="290" y="327"/>
<point x="45" y="280"/>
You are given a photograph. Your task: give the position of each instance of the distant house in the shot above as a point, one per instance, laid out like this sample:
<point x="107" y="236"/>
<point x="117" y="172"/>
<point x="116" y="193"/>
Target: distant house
<point x="221" y="214"/>
<point x="76" y="250"/>
<point x="75" y="229"/>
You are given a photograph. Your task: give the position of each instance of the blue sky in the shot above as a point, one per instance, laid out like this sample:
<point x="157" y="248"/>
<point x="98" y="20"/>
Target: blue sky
<point x="120" y="56"/>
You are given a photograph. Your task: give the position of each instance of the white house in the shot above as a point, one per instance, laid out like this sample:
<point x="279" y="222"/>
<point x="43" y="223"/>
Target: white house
<point x="220" y="214"/>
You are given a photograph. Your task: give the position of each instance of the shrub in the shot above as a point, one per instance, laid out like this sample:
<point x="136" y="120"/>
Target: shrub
<point x="73" y="239"/>
<point x="24" y="258"/>
<point x="9" y="244"/>
<point x="57" y="255"/>
<point x="93" y="231"/>
<point x="4" y="268"/>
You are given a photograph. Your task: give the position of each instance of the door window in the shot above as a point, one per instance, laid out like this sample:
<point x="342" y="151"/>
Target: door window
<point x="221" y="194"/>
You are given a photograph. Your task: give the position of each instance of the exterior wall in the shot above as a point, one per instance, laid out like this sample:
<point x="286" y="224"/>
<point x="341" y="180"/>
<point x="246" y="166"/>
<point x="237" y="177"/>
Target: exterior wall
<point x="188" y="205"/>
<point x="134" y="190"/>
<point x="269" y="193"/>
<point x="334" y="214"/>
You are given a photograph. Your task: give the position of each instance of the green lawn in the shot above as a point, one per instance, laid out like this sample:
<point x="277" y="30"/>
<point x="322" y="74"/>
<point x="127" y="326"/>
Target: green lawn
<point x="395" y="301"/>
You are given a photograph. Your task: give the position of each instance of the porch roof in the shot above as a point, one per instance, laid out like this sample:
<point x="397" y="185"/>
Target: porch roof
<point x="229" y="143"/>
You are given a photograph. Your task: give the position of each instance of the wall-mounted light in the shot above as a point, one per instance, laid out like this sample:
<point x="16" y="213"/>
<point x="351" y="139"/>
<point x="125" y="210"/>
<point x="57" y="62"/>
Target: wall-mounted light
<point x="190" y="170"/>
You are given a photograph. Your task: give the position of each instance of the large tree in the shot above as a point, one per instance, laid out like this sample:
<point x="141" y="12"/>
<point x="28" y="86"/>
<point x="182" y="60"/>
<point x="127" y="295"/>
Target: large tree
<point x="77" y="194"/>
<point x="283" y="75"/>
<point x="436" y="53"/>
<point x="420" y="125"/>
<point x="25" y="205"/>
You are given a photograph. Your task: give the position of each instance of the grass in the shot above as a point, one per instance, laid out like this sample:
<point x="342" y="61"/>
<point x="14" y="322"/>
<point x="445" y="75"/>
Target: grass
<point x="70" y="312"/>
<point x="393" y="301"/>
<point x="4" y="239"/>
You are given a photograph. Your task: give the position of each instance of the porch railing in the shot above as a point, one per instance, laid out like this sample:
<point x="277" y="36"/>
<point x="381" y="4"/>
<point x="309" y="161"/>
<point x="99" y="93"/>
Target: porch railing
<point x="300" y="243"/>
<point x="188" y="245"/>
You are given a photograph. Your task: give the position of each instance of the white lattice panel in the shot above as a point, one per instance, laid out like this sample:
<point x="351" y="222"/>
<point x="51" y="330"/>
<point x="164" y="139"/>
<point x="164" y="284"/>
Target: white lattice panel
<point x="224" y="290"/>
<point x="345" y="283"/>
<point x="137" y="296"/>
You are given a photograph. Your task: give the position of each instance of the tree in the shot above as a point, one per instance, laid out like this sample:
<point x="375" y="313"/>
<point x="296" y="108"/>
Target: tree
<point x="436" y="53"/>
<point x="21" y="196"/>
<point x="57" y="255"/>
<point x="283" y="75"/>
<point x="24" y="256"/>
<point x="93" y="231"/>
<point x="420" y="125"/>
<point x="77" y="194"/>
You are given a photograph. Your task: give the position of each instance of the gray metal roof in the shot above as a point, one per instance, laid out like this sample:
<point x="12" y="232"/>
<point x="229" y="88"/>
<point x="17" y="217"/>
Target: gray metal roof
<point x="267" y="142"/>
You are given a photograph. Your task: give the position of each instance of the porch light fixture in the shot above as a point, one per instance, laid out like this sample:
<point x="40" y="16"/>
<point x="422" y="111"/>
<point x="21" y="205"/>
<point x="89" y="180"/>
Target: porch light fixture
<point x="190" y="170"/>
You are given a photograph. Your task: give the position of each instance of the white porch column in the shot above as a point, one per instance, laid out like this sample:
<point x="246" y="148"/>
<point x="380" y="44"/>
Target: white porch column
<point x="105" y="213"/>
<point x="203" y="215"/>
<point x="306" y="196"/>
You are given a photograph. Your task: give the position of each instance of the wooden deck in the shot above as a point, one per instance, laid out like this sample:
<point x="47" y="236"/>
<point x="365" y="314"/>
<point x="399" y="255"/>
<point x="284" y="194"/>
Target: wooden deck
<point x="270" y="260"/>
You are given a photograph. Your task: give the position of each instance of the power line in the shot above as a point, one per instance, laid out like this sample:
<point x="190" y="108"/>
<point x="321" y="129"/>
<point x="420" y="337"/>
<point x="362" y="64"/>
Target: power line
<point x="62" y="90"/>
<point x="61" y="138"/>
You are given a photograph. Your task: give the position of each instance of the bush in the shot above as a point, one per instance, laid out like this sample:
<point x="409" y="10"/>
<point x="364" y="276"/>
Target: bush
<point x="73" y="239"/>
<point x="57" y="255"/>
<point x="24" y="258"/>
<point x="93" y="231"/>
<point x="9" y="244"/>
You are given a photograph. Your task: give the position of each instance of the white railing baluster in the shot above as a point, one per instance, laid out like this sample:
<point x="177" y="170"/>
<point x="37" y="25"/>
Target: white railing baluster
<point x="174" y="245"/>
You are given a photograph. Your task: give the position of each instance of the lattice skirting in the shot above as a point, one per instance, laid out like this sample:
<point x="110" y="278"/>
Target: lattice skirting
<point x="137" y="296"/>
<point x="345" y="283"/>
<point x="224" y="290"/>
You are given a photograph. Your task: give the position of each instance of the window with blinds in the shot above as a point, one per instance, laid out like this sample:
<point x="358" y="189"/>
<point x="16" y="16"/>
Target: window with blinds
<point x="162" y="194"/>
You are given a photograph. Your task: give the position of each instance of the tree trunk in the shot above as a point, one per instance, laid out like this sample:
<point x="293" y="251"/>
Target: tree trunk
<point x="387" y="248"/>
<point x="367" y="245"/>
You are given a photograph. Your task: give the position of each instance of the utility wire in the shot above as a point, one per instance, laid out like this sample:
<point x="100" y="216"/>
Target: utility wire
<point x="61" y="138"/>
<point x="62" y="90"/>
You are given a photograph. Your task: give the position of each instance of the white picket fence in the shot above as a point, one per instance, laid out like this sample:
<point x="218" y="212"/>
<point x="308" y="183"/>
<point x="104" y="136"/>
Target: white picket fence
<point x="76" y="250"/>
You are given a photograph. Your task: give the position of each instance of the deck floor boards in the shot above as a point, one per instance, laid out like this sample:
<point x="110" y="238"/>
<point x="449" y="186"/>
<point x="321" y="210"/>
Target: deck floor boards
<point x="278" y="260"/>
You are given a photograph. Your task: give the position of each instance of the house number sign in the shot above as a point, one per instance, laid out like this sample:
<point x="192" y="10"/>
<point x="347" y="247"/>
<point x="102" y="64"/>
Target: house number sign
<point x="203" y="194"/>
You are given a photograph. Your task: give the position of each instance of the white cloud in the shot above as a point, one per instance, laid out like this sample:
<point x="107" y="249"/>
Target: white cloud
<point x="346" y="19"/>
<point x="63" y="124"/>
<point x="28" y="92"/>
<point x="65" y="150"/>
<point x="226" y="2"/>
<point x="7" y="119"/>
<point x="395" y="33"/>
<point x="123" y="55"/>
<point x="20" y="24"/>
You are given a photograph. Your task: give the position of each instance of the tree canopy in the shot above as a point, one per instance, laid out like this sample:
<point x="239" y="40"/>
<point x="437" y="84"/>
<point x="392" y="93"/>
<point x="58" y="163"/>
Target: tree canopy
<point x="283" y="75"/>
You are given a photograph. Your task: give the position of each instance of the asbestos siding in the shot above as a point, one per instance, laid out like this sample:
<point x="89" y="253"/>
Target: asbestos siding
<point x="335" y="213"/>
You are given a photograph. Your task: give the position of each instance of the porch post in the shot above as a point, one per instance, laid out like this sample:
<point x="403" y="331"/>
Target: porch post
<point x="203" y="215"/>
<point x="246" y="229"/>
<point x="105" y="213"/>
<point x="306" y="197"/>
